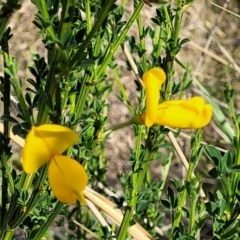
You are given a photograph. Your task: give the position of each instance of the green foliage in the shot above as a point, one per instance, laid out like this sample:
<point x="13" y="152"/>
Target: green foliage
<point x="71" y="85"/>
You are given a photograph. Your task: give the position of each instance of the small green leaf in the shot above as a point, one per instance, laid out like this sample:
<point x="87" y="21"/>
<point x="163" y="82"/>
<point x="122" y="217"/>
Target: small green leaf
<point x="185" y="40"/>
<point x="17" y="129"/>
<point x="87" y="63"/>
<point x="211" y="208"/>
<point x="214" y="173"/>
<point x="166" y="203"/>
<point x="213" y="154"/>
<point x="8" y="118"/>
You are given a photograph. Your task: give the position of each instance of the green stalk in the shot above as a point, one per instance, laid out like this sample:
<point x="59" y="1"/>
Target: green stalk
<point x="137" y="159"/>
<point x="44" y="227"/>
<point x="142" y="43"/>
<point x="165" y="174"/>
<point x="119" y="126"/>
<point x="57" y="56"/>
<point x="185" y="80"/>
<point x="192" y="215"/>
<point x="122" y="91"/>
<point x="88" y="15"/>
<point x="25" y="180"/>
<point x="8" y="235"/>
<point x="236" y="175"/>
<point x="181" y="202"/>
<point x="68" y="8"/>
<point x="4" y="158"/>
<point x="138" y="181"/>
<point x="183" y="195"/>
<point x="158" y="41"/>
<point x="84" y="89"/>
<point x="119" y="40"/>
<point x="229" y="93"/>
<point x="95" y="28"/>
<point x="82" y="96"/>
<point x="122" y="234"/>
<point x="12" y="69"/>
<point x="177" y="25"/>
<point x="3" y="25"/>
<point x="169" y="58"/>
<point x="42" y="7"/>
<point x="32" y="200"/>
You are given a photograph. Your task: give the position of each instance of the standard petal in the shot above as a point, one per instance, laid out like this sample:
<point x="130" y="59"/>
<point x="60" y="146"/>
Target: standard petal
<point x="56" y="137"/>
<point x="153" y="80"/>
<point x="35" y="152"/>
<point x="67" y="179"/>
<point x="43" y="142"/>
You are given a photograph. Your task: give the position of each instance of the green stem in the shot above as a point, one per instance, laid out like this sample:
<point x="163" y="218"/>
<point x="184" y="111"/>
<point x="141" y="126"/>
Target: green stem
<point x="125" y="224"/>
<point x="165" y="174"/>
<point x="158" y="41"/>
<point x="236" y="175"/>
<point x="8" y="235"/>
<point x="51" y="86"/>
<point x="137" y="154"/>
<point x="32" y="200"/>
<point x="123" y="91"/>
<point x="88" y="15"/>
<point x="6" y="111"/>
<point x="177" y="26"/>
<point x="192" y="217"/>
<point x="57" y="57"/>
<point x="193" y="162"/>
<point x="44" y="227"/>
<point x="185" y="80"/>
<point x="169" y="58"/>
<point x="42" y="7"/>
<point x="95" y="28"/>
<point x="12" y="68"/>
<point x="119" y="40"/>
<point x="68" y="8"/>
<point x="136" y="188"/>
<point x="82" y="96"/>
<point x="119" y="126"/>
<point x="84" y="89"/>
<point x="142" y="43"/>
<point x="25" y="180"/>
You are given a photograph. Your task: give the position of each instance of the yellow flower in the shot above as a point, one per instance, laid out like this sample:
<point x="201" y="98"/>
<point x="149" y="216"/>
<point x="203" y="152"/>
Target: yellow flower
<point x="152" y="80"/>
<point x="192" y="113"/>
<point x="45" y="144"/>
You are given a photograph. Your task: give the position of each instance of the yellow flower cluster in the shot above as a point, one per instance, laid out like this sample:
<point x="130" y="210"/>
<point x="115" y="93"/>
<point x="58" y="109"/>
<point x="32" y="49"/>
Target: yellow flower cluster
<point x="192" y="113"/>
<point x="45" y="144"/>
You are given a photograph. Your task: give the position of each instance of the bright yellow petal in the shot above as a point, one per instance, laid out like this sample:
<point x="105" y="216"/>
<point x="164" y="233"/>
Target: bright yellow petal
<point x="35" y="152"/>
<point x="203" y="118"/>
<point x="57" y="138"/>
<point x="179" y="113"/>
<point x="67" y="179"/>
<point x="43" y="142"/>
<point x="153" y="80"/>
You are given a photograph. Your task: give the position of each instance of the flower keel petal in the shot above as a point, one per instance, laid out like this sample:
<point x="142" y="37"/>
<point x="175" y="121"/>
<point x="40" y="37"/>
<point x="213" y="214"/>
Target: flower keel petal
<point x="67" y="179"/>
